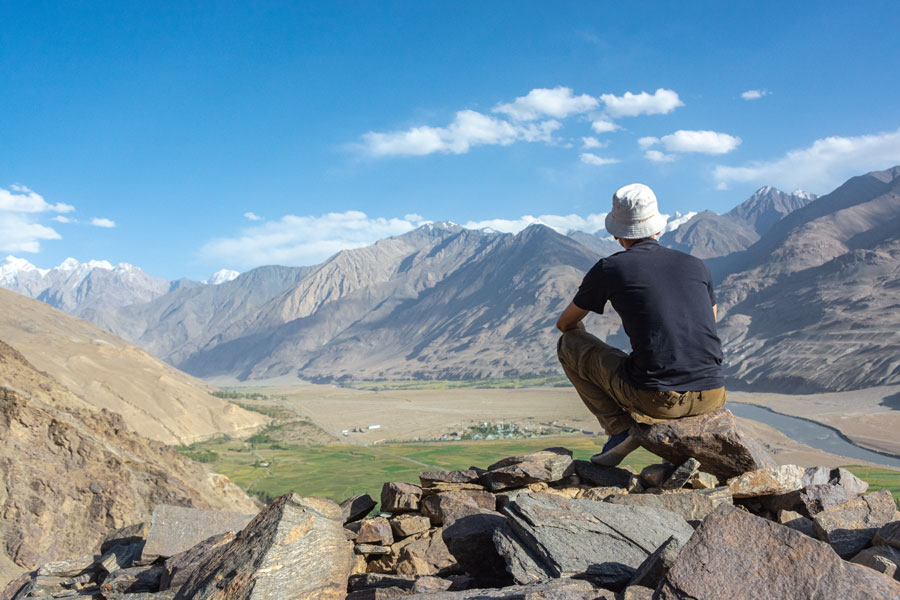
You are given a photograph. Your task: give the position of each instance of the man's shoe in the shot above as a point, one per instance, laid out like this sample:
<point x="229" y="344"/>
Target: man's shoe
<point x="616" y="448"/>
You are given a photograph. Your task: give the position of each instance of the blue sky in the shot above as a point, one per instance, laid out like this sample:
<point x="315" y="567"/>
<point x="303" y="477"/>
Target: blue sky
<point x="188" y="139"/>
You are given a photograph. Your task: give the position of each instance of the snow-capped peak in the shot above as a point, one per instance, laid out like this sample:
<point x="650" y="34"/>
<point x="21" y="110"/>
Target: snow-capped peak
<point x="12" y="266"/>
<point x="222" y="276"/>
<point x="677" y="220"/>
<point x="804" y="194"/>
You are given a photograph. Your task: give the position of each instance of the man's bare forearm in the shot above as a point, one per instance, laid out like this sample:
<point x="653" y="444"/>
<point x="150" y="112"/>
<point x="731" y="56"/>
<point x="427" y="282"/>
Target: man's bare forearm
<point x="571" y="318"/>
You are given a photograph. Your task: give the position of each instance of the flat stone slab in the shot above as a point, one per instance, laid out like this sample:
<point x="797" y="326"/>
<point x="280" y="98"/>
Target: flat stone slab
<point x="851" y="526"/>
<point x="602" y="541"/>
<point x="714" y="439"/>
<point x="734" y="554"/>
<point x="548" y="465"/>
<point x="767" y="481"/>
<point x="598" y="476"/>
<point x="174" y="529"/>
<point x="464" y="476"/>
<point x="693" y="506"/>
<point x="558" y="589"/>
<point x="355" y="508"/>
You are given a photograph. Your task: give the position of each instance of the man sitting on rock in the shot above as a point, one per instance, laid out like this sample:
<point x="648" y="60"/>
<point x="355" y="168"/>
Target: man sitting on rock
<point x="668" y="309"/>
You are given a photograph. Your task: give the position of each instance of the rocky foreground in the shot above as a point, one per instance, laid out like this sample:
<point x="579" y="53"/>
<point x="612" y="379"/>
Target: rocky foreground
<point x="717" y="521"/>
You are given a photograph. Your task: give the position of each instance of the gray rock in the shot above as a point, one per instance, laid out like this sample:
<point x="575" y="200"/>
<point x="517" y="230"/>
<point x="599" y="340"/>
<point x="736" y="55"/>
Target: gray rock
<point x="368" y="581"/>
<point x="818" y="498"/>
<point x="655" y="566"/>
<point x="379" y="594"/>
<point x="692" y="506"/>
<point x="680" y="476"/>
<point x="548" y="465"/>
<point x="581" y="538"/>
<point x="598" y="476"/>
<point x="850" y="527"/>
<point x="179" y="568"/>
<point x="714" y="439"/>
<point x="557" y="589"/>
<point x="437" y="505"/>
<point x="734" y="554"/>
<point x="469" y="535"/>
<point x="375" y="531"/>
<point x="429" y="584"/>
<point x="797" y="522"/>
<point x="407" y="525"/>
<point x="174" y="529"/>
<point x="653" y="476"/>
<point x="130" y="534"/>
<point x="889" y="535"/>
<point x="357" y="507"/>
<point x="118" y="557"/>
<point x="884" y="559"/>
<point x="400" y="497"/>
<point x="72" y="567"/>
<point x="842" y="477"/>
<point x="767" y="481"/>
<point x="432" y="477"/>
<point x="294" y="550"/>
<point x="521" y="563"/>
<point x="635" y="592"/>
<point x="371" y="549"/>
<point x="133" y="580"/>
<point x="704" y="481"/>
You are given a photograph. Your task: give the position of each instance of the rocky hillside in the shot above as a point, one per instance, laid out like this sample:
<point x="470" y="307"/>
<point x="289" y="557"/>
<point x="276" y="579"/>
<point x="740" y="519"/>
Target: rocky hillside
<point x="717" y="521"/>
<point x="104" y="372"/>
<point x="70" y="473"/>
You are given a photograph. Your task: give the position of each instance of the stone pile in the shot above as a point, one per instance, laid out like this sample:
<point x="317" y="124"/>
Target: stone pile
<point x="723" y="523"/>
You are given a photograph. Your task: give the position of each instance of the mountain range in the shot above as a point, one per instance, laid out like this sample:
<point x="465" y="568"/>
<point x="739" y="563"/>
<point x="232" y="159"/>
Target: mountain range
<point x="797" y="275"/>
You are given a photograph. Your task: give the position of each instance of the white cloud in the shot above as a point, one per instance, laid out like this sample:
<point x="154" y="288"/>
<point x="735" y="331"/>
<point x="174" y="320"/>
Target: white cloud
<point x="252" y="216"/>
<point x="414" y="218"/>
<point x="821" y="167"/>
<point x="657" y="156"/>
<point x="592" y="159"/>
<point x="591" y="142"/>
<point x="558" y="103"/>
<point x="603" y="126"/>
<point x="309" y="240"/>
<point x="469" y="128"/>
<point x="62" y="219"/>
<point x="21" y="199"/>
<point x="703" y="142"/>
<point x="561" y="223"/>
<point x="19" y="234"/>
<point x="661" y="102"/>
<point x="101" y="222"/>
<point x="755" y="94"/>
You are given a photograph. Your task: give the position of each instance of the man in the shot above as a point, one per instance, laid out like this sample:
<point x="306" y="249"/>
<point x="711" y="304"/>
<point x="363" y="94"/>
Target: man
<point x="668" y="309"/>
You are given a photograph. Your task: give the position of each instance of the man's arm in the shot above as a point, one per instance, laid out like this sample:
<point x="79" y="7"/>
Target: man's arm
<point x="715" y="312"/>
<point x="571" y="318"/>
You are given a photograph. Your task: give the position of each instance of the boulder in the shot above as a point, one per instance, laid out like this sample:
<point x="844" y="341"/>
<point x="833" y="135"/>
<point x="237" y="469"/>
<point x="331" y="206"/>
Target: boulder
<point x="407" y="525"/>
<point x="840" y="477"/>
<point x="599" y="494"/>
<point x="850" y="527"/>
<point x="174" y="529"/>
<point x="655" y="566"/>
<point x="817" y="498"/>
<point x="426" y="554"/>
<point x="432" y="477"/>
<point x="399" y="497"/>
<point x="680" y="476"/>
<point x="602" y="541"/>
<point x="714" y="439"/>
<point x="180" y="567"/>
<point x="468" y="533"/>
<point x="693" y="506"/>
<point x="549" y="465"/>
<point x="375" y="531"/>
<point x="294" y="550"/>
<point x="557" y="589"/>
<point x="821" y="488"/>
<point x="703" y="481"/>
<point x="767" y="481"/>
<point x="598" y="476"/>
<point x="429" y="584"/>
<point x="653" y="476"/>
<point x="357" y="507"/>
<point x="889" y="535"/>
<point x="521" y="562"/>
<point x="884" y="559"/>
<point x="734" y="554"/>
<point x="796" y="521"/>
<point x="72" y="567"/>
<point x="437" y="505"/>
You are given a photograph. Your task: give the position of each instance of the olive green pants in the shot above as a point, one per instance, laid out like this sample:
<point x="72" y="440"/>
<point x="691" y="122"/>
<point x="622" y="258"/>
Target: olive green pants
<point x="594" y="368"/>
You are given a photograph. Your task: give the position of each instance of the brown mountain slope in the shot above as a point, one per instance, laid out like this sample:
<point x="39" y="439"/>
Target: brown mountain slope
<point x="103" y="371"/>
<point x="68" y="475"/>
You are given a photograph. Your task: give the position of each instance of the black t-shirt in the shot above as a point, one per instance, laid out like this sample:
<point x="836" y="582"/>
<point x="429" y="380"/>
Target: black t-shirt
<point x="665" y="299"/>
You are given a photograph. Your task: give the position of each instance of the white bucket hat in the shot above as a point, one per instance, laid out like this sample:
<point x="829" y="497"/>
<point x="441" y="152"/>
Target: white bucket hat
<point x="634" y="214"/>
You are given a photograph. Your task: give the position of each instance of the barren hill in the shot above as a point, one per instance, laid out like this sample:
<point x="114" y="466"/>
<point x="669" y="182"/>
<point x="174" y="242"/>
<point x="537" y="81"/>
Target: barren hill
<point x="103" y="371"/>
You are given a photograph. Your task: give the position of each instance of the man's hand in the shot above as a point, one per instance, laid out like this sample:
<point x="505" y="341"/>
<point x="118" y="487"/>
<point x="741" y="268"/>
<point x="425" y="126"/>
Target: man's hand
<point x="571" y="318"/>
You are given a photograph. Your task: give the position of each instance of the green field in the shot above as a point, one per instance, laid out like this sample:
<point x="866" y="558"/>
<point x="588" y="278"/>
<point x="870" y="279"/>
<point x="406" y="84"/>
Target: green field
<point x="447" y="384"/>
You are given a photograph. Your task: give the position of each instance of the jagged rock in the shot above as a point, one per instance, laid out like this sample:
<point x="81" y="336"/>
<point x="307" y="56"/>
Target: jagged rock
<point x="655" y="566"/>
<point x="557" y="589"/>
<point x="796" y="521"/>
<point x="734" y="554"/>
<point x="17" y="587"/>
<point x="693" y="506"/>
<point x="133" y="580"/>
<point x="680" y="476"/>
<point x="130" y="534"/>
<point x="429" y="584"/>
<point x="179" y="568"/>
<point x="821" y="488"/>
<point x="598" y="476"/>
<point x="375" y="531"/>
<point x="889" y="535"/>
<point x="174" y="529"/>
<point x="850" y="527"/>
<point x="407" y="525"/>
<point x="603" y="541"/>
<point x="72" y="567"/>
<point x="436" y="506"/>
<point x="521" y="563"/>
<point x="841" y="477"/>
<point x="884" y="559"/>
<point x="548" y="465"/>
<point x="703" y="481"/>
<point x="468" y="532"/>
<point x="400" y="497"/>
<point x="818" y="498"/>
<point x="425" y="555"/>
<point x="653" y="476"/>
<point x="357" y="507"/>
<point x="432" y="477"/>
<point x="118" y="557"/>
<point x="767" y="481"/>
<point x="714" y="439"/>
<point x="599" y="494"/>
<point x="294" y="550"/>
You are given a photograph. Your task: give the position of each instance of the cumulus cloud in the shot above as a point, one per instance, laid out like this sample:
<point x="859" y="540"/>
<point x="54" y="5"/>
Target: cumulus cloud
<point x="558" y="103"/>
<point x="603" y="126"/>
<point x="703" y="142"/>
<point x="21" y="199"/>
<point x="589" y="158"/>
<point x="19" y="209"/>
<point x="657" y="156"/>
<point x="469" y="128"/>
<point x="295" y="240"/>
<point x="252" y="216"/>
<point x="561" y="223"/>
<point x="660" y="102"/>
<point x="62" y="219"/>
<point x="102" y="222"/>
<point x="755" y="94"/>
<point x="591" y="142"/>
<point x="821" y="167"/>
